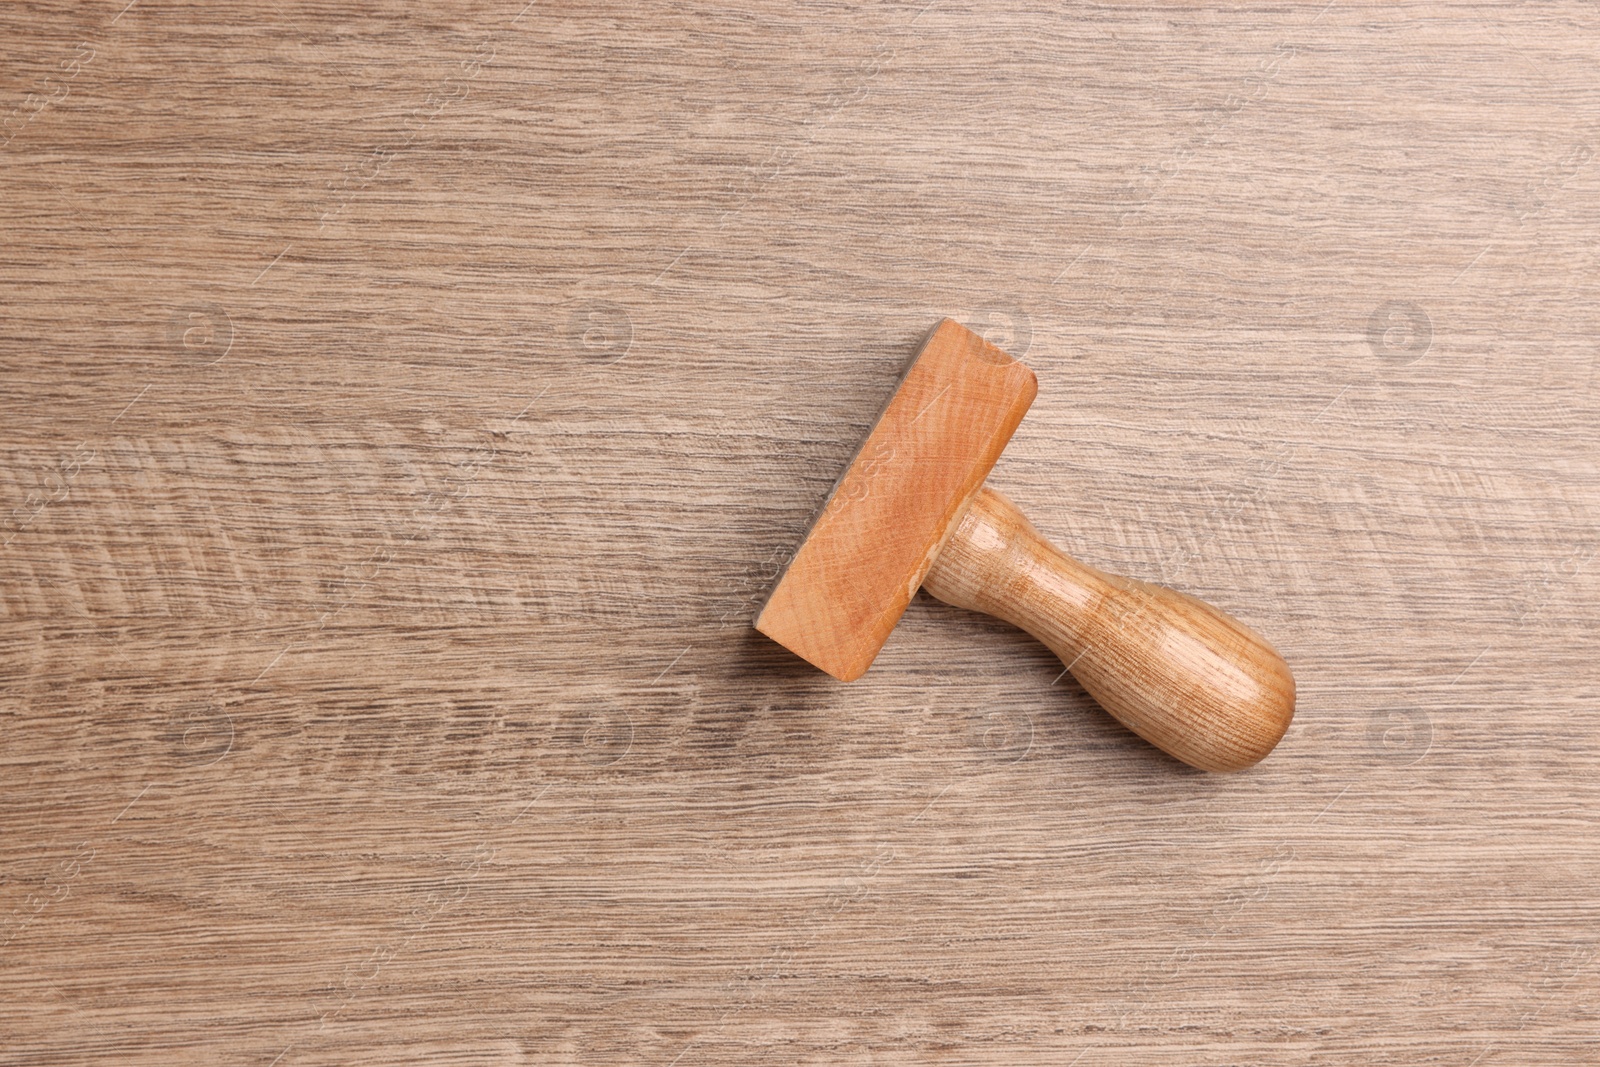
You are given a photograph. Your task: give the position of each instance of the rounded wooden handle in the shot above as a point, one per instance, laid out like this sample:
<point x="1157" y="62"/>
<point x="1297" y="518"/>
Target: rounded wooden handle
<point x="1188" y="678"/>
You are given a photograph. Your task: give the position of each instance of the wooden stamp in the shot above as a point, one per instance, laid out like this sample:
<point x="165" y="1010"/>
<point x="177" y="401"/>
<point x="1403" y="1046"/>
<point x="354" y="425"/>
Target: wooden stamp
<point x="912" y="510"/>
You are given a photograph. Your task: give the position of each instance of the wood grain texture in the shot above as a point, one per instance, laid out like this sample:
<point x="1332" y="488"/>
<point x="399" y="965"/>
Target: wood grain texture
<point x="898" y="502"/>
<point x="406" y="409"/>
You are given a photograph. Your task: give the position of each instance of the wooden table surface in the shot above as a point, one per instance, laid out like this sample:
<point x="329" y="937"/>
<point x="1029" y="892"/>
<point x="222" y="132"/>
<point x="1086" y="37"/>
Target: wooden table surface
<point x="405" y="410"/>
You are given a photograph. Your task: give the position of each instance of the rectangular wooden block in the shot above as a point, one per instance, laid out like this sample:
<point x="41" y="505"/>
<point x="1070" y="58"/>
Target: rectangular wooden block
<point x="898" y="501"/>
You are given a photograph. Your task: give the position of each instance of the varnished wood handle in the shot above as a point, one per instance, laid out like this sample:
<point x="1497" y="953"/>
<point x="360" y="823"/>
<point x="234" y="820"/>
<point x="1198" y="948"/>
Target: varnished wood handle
<point x="1183" y="675"/>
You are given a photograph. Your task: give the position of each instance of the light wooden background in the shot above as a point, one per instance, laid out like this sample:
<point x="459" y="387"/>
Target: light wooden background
<point x="405" y="409"/>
